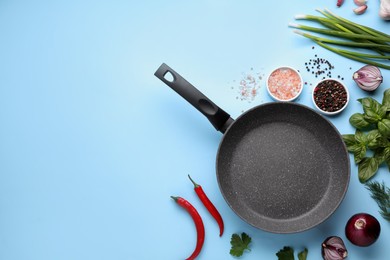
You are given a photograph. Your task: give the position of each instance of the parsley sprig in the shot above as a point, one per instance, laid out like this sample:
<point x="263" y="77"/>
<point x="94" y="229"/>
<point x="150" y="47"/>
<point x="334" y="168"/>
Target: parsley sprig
<point x="239" y="244"/>
<point x="287" y="253"/>
<point x="381" y="194"/>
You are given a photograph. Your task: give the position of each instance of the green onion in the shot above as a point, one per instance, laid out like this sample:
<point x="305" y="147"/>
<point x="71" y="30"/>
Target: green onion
<point x="334" y="22"/>
<point x="362" y="27"/>
<point x="324" y="21"/>
<point x="366" y="55"/>
<point x="353" y="57"/>
<point x="383" y="47"/>
<point x="345" y="33"/>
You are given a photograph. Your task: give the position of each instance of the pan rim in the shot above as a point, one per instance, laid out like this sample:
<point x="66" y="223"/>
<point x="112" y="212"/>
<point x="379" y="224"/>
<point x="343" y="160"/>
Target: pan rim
<point x="301" y="227"/>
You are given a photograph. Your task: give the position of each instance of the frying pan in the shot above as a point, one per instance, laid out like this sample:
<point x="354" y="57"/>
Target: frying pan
<point x="280" y="166"/>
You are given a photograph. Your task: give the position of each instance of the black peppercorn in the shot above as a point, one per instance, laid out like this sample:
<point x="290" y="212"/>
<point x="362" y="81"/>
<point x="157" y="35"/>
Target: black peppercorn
<point x="330" y="95"/>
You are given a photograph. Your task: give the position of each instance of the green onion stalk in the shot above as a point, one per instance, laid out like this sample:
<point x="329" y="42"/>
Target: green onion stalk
<point x="342" y="34"/>
<point x="345" y="33"/>
<point x="382" y="47"/>
<point x="356" y="25"/>
<point x="354" y="56"/>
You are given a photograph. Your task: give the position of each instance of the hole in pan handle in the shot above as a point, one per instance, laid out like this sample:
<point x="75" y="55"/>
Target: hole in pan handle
<point x="217" y="117"/>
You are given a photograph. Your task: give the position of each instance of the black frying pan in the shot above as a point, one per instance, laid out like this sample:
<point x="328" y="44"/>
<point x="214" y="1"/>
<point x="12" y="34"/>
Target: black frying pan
<point x="281" y="166"/>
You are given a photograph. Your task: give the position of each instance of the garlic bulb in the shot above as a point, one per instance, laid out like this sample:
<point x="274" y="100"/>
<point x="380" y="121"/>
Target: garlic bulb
<point x="368" y="77"/>
<point x="384" y="9"/>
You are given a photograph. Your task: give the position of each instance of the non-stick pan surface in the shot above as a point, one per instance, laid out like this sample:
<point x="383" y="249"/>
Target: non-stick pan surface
<point x="281" y="167"/>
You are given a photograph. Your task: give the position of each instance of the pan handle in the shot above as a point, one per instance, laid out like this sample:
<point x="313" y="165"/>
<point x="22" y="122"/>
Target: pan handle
<point x="218" y="118"/>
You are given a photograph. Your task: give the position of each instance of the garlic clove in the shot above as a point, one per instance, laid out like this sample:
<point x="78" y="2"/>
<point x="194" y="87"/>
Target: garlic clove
<point x="333" y="248"/>
<point x="368" y="77"/>
<point x="360" y="2"/>
<point x="339" y="3"/>
<point x="360" y="10"/>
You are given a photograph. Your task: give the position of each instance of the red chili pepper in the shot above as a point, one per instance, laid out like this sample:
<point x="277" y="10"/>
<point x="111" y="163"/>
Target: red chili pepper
<point x="339" y="3"/>
<point x="209" y="205"/>
<point x="198" y="224"/>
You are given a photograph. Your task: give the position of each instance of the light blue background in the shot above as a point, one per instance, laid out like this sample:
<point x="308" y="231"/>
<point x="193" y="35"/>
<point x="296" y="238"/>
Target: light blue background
<point x="92" y="145"/>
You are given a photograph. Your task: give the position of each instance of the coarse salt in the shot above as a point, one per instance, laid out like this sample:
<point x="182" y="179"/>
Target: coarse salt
<point x="284" y="84"/>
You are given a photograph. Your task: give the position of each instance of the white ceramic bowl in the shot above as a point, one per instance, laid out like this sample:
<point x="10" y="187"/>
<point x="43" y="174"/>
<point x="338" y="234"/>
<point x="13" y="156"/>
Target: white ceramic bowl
<point x="327" y="112"/>
<point x="275" y="96"/>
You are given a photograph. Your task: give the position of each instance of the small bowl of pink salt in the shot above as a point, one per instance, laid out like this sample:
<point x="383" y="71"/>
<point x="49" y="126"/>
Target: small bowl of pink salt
<point x="284" y="84"/>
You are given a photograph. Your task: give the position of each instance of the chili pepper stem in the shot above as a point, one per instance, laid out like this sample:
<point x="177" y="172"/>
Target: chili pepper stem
<point x="175" y="198"/>
<point x="195" y="184"/>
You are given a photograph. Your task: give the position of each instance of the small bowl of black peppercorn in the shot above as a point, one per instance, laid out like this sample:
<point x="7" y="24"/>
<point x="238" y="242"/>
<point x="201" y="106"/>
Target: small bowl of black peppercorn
<point x="330" y="96"/>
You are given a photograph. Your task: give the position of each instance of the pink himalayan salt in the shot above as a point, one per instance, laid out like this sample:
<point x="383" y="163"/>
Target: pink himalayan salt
<point x="284" y="83"/>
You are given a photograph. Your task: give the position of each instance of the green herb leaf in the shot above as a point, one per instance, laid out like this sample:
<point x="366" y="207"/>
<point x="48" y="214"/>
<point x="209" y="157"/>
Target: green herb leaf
<point x="371" y="107"/>
<point x="387" y="153"/>
<point x="303" y="255"/>
<point x="239" y="244"/>
<point x="386" y="99"/>
<point x="367" y="168"/>
<point x="359" y="152"/>
<point x="384" y="127"/>
<point x="379" y="155"/>
<point x="376" y="140"/>
<point x="372" y="135"/>
<point x="349" y="141"/>
<point x="360" y="137"/>
<point x="381" y="194"/>
<point x="370" y="104"/>
<point x="382" y="111"/>
<point x="357" y="120"/>
<point x="356" y="144"/>
<point x="386" y="156"/>
<point x="371" y="117"/>
<point x="287" y="253"/>
<point x="383" y="155"/>
<point x="388" y="164"/>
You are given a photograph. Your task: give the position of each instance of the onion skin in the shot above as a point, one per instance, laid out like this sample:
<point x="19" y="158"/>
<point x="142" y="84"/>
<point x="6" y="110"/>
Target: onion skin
<point x="368" y="77"/>
<point x="362" y="229"/>
<point x="333" y="248"/>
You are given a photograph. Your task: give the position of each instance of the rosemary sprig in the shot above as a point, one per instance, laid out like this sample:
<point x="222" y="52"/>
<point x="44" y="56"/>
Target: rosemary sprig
<point x="381" y="194"/>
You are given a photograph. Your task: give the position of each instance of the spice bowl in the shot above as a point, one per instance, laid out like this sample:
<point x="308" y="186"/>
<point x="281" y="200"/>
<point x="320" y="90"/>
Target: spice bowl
<point x="284" y="84"/>
<point x="330" y="96"/>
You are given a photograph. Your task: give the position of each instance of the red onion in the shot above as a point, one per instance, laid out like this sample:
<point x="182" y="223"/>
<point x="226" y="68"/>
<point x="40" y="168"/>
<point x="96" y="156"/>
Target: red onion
<point x="333" y="248"/>
<point x="362" y="229"/>
<point x="368" y="77"/>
